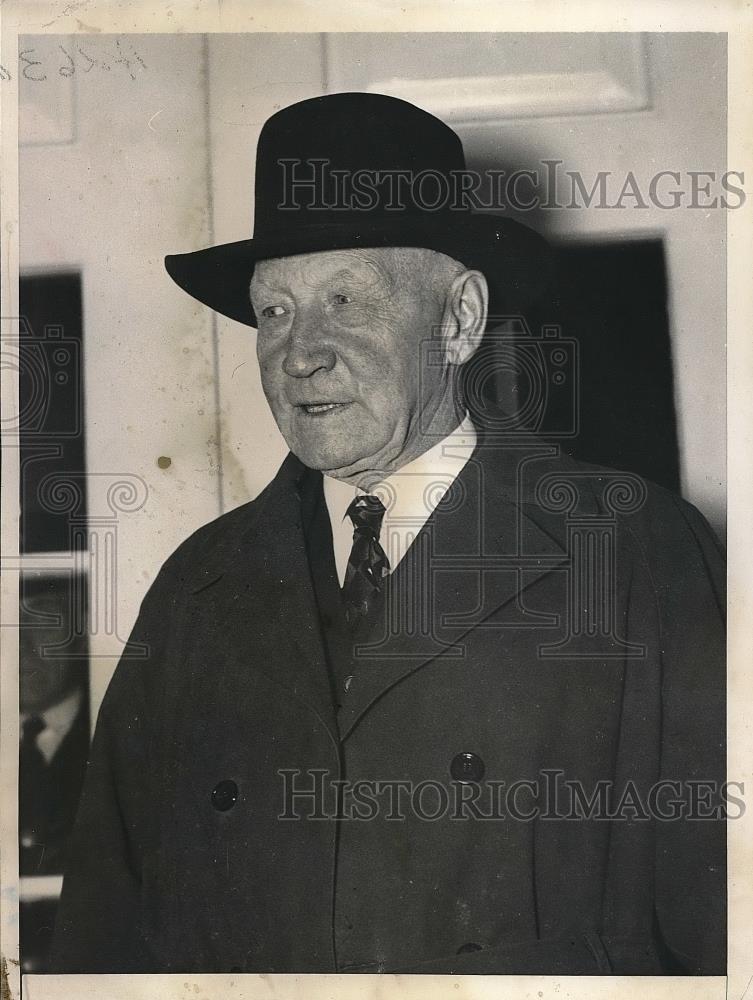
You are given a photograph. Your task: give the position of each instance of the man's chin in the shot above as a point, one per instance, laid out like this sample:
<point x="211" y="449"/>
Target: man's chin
<point x="329" y="458"/>
<point x="326" y="461"/>
<point x="334" y="451"/>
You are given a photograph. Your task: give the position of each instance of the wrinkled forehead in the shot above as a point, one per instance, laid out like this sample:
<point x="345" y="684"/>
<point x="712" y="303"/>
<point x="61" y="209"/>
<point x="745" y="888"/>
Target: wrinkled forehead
<point x="368" y="265"/>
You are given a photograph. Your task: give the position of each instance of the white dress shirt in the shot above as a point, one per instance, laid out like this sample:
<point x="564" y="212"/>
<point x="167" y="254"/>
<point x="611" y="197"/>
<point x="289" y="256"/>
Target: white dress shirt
<point x="409" y="495"/>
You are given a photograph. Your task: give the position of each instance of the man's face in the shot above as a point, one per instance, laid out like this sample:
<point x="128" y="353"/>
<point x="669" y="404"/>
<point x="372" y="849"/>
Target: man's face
<point x="341" y="339"/>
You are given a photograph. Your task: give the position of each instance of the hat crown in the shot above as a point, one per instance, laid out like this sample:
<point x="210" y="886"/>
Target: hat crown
<point x="316" y="156"/>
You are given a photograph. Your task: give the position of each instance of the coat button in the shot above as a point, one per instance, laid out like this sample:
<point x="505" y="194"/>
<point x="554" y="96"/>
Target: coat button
<point x="224" y="795"/>
<point x="465" y="949"/>
<point x="467" y="767"/>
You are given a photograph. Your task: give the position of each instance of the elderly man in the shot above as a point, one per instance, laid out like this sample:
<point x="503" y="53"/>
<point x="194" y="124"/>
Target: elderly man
<point x="440" y="699"/>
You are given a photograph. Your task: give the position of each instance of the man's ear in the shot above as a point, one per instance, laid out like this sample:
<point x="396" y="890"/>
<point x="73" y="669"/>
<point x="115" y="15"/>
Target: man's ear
<point x="465" y="316"/>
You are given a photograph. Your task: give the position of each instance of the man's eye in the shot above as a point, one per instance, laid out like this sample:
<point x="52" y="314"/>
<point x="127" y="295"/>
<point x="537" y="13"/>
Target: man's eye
<point x="342" y="300"/>
<point x="270" y="312"/>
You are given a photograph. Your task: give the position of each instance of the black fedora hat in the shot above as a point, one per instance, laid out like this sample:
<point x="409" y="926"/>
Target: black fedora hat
<point x="364" y="170"/>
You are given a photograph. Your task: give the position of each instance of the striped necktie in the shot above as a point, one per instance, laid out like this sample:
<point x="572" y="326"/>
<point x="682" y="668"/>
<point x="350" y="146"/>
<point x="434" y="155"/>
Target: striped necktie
<point x="368" y="564"/>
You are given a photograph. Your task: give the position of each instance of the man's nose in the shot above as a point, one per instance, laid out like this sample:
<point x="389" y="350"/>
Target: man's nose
<point x="307" y="352"/>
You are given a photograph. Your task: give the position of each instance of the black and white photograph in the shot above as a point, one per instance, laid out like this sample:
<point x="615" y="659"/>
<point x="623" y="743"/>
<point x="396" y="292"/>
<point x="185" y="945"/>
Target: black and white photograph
<point x="368" y="555"/>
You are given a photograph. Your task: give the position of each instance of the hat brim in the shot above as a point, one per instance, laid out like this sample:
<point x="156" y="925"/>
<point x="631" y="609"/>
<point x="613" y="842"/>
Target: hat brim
<point x="514" y="259"/>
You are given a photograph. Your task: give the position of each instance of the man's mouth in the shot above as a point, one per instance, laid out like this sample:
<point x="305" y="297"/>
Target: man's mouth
<point x="320" y="409"/>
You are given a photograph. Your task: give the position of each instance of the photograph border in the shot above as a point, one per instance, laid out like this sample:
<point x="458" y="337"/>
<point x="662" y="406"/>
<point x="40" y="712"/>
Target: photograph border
<point x="94" y="16"/>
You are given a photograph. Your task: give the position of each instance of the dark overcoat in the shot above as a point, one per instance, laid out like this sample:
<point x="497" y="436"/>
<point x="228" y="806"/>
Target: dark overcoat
<point x="558" y="624"/>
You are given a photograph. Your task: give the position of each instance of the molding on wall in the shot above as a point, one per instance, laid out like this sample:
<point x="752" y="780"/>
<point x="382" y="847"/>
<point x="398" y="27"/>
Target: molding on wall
<point x="602" y="75"/>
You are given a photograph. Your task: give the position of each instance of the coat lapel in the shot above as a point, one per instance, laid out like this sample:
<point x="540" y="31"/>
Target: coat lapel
<point x="486" y="546"/>
<point x="256" y="594"/>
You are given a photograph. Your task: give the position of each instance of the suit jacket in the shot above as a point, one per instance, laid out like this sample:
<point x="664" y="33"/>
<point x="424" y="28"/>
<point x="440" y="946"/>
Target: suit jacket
<point x="556" y="621"/>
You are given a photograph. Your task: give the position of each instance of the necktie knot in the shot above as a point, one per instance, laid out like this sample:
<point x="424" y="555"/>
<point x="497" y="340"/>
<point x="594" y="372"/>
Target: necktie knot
<point x="366" y="512"/>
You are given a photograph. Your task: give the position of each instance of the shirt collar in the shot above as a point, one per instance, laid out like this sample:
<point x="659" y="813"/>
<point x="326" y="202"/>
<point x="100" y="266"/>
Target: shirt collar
<point x="402" y="492"/>
<point x="410" y="496"/>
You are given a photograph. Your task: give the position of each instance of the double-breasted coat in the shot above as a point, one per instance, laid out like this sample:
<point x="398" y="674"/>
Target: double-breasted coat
<point x="553" y="625"/>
